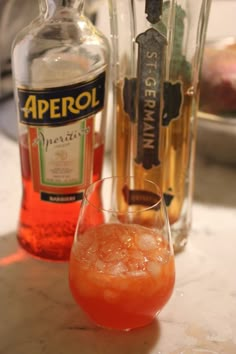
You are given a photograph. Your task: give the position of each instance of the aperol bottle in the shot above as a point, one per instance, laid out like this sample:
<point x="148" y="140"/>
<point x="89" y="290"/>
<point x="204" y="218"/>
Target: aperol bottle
<point x="60" y="65"/>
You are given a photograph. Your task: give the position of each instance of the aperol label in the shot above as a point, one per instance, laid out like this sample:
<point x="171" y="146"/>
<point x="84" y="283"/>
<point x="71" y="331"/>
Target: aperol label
<point x="61" y="105"/>
<point x="61" y="160"/>
<point x="60" y="123"/>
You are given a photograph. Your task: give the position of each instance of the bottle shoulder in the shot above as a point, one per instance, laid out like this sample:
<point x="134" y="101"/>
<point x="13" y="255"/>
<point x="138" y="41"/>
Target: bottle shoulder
<point x="59" y="50"/>
<point x="77" y="30"/>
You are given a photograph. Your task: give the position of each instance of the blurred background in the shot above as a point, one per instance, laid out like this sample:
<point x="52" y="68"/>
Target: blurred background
<point x="217" y="114"/>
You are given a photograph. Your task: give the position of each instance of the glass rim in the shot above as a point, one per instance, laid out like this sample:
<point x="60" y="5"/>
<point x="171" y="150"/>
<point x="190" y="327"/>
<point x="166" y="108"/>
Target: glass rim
<point x="112" y="210"/>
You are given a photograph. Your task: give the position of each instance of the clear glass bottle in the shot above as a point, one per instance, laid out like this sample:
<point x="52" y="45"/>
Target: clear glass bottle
<point x="60" y="68"/>
<point x="157" y="48"/>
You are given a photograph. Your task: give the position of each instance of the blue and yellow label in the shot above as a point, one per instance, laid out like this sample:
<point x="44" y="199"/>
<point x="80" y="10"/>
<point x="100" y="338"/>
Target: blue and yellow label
<point x="62" y="105"/>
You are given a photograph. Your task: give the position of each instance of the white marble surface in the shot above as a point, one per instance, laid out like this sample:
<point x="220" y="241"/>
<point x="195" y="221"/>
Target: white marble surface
<point x="39" y="316"/>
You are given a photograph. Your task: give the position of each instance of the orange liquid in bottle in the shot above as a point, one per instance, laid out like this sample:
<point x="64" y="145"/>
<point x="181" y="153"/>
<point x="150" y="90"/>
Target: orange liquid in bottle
<point x="47" y="229"/>
<point x="121" y="275"/>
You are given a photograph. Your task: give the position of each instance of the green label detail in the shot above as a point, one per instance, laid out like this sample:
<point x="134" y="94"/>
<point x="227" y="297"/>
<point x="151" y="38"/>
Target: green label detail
<point x="61" y="162"/>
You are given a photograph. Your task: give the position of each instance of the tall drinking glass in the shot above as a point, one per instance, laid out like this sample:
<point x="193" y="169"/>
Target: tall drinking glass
<point x="122" y="268"/>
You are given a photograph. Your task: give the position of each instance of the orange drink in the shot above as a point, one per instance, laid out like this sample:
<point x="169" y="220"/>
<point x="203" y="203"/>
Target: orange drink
<point x="121" y="274"/>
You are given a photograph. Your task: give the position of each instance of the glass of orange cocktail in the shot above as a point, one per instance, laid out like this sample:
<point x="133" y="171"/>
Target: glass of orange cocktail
<point x="121" y="269"/>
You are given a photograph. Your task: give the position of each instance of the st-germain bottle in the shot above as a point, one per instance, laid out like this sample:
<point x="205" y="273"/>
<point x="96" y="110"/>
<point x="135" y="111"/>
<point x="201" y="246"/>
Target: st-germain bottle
<point x="61" y="68"/>
<point x="157" y="54"/>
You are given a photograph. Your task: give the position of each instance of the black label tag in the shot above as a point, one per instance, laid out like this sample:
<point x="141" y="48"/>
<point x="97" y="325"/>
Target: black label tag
<point x="173" y="98"/>
<point x="168" y="197"/>
<point x="61" y="105"/>
<point x="60" y="198"/>
<point x="151" y="55"/>
<point x="129" y="96"/>
<point x="153" y="9"/>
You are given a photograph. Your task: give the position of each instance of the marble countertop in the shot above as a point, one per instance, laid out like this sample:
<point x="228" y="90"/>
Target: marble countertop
<point x="39" y="316"/>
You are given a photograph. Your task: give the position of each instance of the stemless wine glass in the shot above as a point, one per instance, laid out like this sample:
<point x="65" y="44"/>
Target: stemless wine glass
<point x="122" y="270"/>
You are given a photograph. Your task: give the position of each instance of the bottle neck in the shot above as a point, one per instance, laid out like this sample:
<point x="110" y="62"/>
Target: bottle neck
<point x="51" y="6"/>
